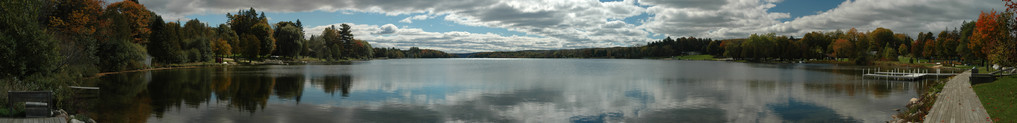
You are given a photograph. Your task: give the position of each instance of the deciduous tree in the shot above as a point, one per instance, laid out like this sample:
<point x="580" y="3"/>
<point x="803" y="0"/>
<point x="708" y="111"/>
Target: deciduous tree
<point x="983" y="39"/>
<point x="25" y="48"/>
<point x="290" y="39"/>
<point x="843" y="48"/>
<point x="138" y="19"/>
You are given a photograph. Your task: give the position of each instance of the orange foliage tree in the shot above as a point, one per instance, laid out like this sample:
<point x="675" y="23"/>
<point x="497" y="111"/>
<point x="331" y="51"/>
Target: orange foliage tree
<point x="982" y="40"/>
<point x="843" y="48"/>
<point x="137" y="16"/>
<point x="76" y="17"/>
<point x="929" y="49"/>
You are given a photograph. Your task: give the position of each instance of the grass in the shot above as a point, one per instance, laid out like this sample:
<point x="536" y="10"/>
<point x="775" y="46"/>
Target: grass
<point x="999" y="98"/>
<point x="905" y="59"/>
<point x="695" y="57"/>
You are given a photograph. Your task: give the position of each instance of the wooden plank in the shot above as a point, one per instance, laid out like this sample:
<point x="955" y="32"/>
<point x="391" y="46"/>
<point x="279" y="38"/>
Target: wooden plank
<point x="82" y="87"/>
<point x="958" y="103"/>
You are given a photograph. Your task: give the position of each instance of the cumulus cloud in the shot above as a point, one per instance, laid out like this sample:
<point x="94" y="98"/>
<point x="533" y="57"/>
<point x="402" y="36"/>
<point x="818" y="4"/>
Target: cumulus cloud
<point x="387" y="29"/>
<point x="736" y="18"/>
<point x="174" y="9"/>
<point x="454" y="41"/>
<point x="564" y="24"/>
<point x="702" y="4"/>
<point x="576" y="21"/>
<point x="910" y="16"/>
<point x="739" y="18"/>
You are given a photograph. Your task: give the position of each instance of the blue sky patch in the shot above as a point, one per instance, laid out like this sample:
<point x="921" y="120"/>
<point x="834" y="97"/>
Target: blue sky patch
<point x="799" y="8"/>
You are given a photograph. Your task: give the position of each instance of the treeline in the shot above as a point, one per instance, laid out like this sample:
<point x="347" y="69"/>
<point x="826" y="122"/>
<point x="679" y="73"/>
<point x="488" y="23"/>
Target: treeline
<point x="862" y="47"/>
<point x="45" y="40"/>
<point x="663" y="48"/>
<point x="413" y="52"/>
<point x="988" y="40"/>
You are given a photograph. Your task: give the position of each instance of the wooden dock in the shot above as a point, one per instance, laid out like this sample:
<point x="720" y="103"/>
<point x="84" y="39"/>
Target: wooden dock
<point x="34" y="120"/>
<point x="904" y="74"/>
<point x="958" y="103"/>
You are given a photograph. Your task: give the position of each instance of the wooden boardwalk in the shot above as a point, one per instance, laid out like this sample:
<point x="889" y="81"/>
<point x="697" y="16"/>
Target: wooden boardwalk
<point x="958" y="103"/>
<point x="34" y="120"/>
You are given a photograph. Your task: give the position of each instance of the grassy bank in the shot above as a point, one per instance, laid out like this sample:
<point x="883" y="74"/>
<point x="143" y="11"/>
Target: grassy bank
<point x="999" y="98"/>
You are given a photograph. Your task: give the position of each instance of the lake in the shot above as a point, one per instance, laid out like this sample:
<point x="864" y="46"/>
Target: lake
<point x="502" y="90"/>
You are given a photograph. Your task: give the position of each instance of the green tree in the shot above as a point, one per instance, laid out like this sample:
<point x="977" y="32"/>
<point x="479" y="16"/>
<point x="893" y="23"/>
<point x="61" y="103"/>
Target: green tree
<point x="25" y="49"/>
<point x="903" y="50"/>
<point x="732" y="48"/>
<point x="290" y="39"/>
<point x="881" y="37"/>
<point x="196" y="40"/>
<point x="346" y="37"/>
<point x="164" y="45"/>
<point x="817" y="41"/>
<point x="251" y="47"/>
<point x="947" y="41"/>
<point x="250" y="23"/>
<point x="116" y="52"/>
<point x="1004" y="52"/>
<point x="264" y="32"/>
<point x="962" y="49"/>
<point x="362" y="49"/>
<point x="120" y="55"/>
<point x="889" y="53"/>
<point x="332" y="39"/>
<point x="137" y="17"/>
<point x="414" y="52"/>
<point x="225" y="41"/>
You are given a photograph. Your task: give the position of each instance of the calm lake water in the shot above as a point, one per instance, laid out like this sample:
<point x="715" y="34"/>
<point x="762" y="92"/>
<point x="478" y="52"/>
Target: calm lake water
<point x="503" y="90"/>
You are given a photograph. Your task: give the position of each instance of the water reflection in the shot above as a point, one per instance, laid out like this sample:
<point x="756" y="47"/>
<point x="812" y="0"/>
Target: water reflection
<point x="503" y="90"/>
<point x="126" y="99"/>
<point x="330" y="84"/>
<point x="290" y="87"/>
<point x="804" y="112"/>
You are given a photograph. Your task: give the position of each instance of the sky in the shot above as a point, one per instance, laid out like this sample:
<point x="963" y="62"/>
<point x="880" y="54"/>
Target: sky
<point x="464" y="26"/>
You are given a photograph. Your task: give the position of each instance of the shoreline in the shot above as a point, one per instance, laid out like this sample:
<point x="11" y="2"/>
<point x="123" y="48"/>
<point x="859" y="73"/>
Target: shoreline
<point x="97" y="75"/>
<point x="208" y="64"/>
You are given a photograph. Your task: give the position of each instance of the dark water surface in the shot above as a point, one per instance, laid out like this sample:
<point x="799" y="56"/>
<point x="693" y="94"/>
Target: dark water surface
<point x="503" y="90"/>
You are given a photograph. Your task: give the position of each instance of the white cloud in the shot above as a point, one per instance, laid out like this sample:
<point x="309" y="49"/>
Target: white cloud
<point x="575" y="21"/>
<point x="418" y="17"/>
<point x="387" y="29"/>
<point x="563" y="24"/>
<point x="739" y="18"/>
<point x="455" y="41"/>
<point x="910" y="16"/>
<point x="736" y="18"/>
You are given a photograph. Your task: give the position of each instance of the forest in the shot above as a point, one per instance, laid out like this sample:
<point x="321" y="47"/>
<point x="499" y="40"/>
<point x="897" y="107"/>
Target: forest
<point x="49" y="43"/>
<point x="987" y="40"/>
